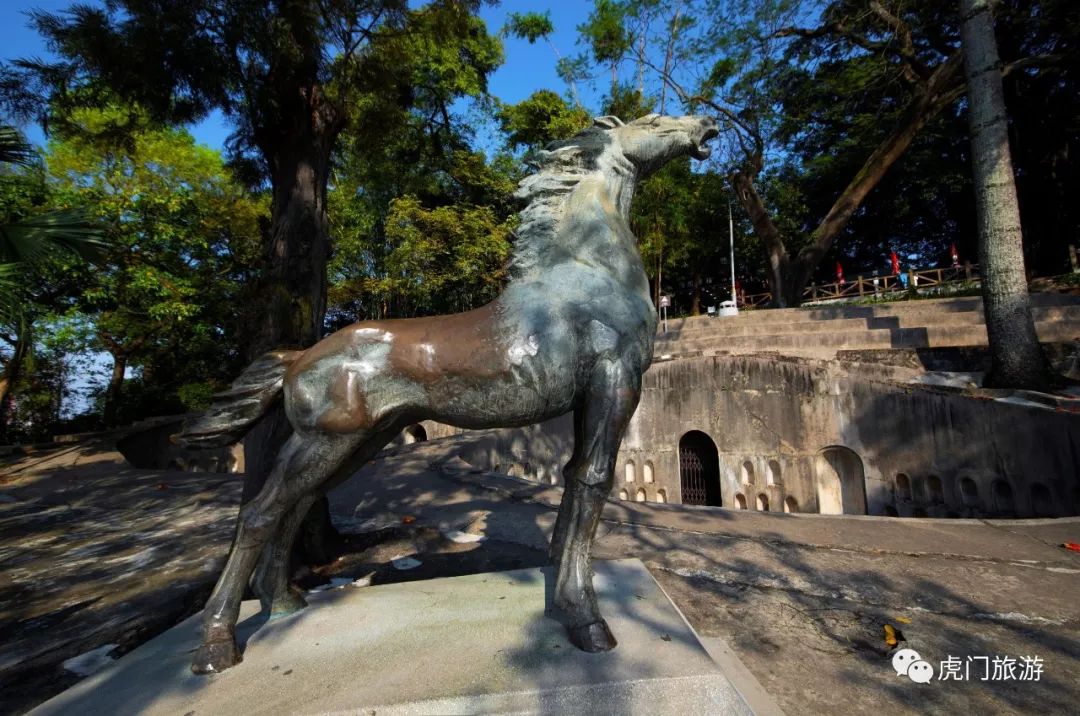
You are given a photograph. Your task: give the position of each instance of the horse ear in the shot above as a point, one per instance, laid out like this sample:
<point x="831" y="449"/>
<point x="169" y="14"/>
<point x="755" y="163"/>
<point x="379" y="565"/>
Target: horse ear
<point x="607" y="122"/>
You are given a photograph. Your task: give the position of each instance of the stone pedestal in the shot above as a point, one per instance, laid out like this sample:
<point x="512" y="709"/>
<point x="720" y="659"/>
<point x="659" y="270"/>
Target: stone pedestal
<point x="473" y="644"/>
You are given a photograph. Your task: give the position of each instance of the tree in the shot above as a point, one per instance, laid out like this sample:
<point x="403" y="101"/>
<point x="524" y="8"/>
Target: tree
<point x="180" y="232"/>
<point x="1017" y="359"/>
<point x="34" y="237"/>
<point x="540" y="118"/>
<point x="533" y="26"/>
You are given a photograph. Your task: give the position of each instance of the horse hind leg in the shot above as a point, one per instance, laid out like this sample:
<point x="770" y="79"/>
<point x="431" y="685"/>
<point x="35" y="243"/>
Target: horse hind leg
<point x="304" y="463"/>
<point x="613" y="394"/>
<point x="271" y="582"/>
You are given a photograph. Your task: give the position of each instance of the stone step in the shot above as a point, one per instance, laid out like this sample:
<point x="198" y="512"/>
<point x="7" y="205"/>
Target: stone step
<point x="923" y="308"/>
<point x="728" y="327"/>
<point x="910" y="337"/>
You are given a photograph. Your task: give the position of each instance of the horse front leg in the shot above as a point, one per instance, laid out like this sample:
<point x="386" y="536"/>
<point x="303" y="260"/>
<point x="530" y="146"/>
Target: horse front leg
<point x="612" y="396"/>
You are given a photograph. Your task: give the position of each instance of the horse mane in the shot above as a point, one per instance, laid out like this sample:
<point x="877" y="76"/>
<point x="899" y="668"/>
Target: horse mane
<point x="560" y="166"/>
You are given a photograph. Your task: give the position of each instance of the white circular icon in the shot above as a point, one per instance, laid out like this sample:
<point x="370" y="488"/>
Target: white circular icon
<point x="920" y="672"/>
<point x="903" y="659"/>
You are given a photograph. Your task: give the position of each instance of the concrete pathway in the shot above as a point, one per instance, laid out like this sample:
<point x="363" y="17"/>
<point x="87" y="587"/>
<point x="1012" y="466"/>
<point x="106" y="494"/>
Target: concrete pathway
<point x="802" y="600"/>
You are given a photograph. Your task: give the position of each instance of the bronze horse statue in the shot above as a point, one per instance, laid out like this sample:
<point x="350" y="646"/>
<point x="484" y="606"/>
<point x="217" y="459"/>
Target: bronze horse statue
<point x="572" y="331"/>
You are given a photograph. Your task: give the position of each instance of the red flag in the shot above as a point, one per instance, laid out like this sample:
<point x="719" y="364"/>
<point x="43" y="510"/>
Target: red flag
<point x="955" y="255"/>
<point x="895" y="262"/>
<point x="839" y="273"/>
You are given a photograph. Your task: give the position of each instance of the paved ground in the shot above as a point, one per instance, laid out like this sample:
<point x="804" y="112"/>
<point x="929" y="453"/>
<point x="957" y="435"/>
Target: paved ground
<point x="802" y="599"/>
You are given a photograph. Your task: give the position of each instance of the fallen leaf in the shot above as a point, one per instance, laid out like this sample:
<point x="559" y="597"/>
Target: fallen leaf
<point x="1071" y="545"/>
<point x="903" y="620"/>
<point x="890" y="635"/>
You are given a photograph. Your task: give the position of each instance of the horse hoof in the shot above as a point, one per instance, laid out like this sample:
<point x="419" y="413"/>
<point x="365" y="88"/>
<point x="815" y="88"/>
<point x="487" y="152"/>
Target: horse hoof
<point x="215" y="656"/>
<point x="288" y="603"/>
<point x="593" y="638"/>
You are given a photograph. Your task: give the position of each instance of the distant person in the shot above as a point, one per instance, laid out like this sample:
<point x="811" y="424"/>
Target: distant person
<point x="903" y="279"/>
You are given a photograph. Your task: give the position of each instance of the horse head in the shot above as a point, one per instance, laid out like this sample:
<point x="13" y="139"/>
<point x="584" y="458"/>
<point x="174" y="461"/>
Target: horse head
<point x="653" y="140"/>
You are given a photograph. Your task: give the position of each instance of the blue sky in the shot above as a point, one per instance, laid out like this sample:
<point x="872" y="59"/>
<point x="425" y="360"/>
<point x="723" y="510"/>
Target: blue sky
<point x="527" y="67"/>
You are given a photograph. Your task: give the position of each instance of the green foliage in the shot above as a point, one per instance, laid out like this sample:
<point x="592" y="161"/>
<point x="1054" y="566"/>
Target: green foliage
<point x="181" y="237"/>
<point x="529" y="26"/>
<point x="540" y="118"/>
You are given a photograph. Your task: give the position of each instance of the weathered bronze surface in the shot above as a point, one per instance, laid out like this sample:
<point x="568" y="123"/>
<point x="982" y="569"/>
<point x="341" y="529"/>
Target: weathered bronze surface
<point x="573" y="331"/>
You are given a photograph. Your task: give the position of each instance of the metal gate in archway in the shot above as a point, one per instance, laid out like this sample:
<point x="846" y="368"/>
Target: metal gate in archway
<point x="699" y="470"/>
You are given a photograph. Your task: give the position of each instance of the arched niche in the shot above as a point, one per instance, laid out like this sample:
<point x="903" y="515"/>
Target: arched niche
<point x="840" y="482"/>
<point x="746" y="473"/>
<point x="624" y="495"/>
<point x="647" y="473"/>
<point x="640" y="495"/>
<point x="772" y="472"/>
<point x="762" y="502"/>
<point x="661" y="496"/>
<point x="791" y="505"/>
<point x="969" y="493"/>
<point x="699" y="470"/>
<point x="740" y="501"/>
<point x="629" y="471"/>
<point x="414" y="434"/>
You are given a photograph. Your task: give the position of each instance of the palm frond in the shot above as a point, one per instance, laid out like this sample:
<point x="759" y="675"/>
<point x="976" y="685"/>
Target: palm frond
<point x="71" y="230"/>
<point x="10" y="295"/>
<point x="14" y="149"/>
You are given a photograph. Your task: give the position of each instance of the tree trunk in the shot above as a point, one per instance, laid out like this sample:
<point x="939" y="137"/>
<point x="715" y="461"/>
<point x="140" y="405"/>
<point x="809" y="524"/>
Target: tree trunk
<point x="12" y="373"/>
<point x="695" y="303"/>
<point x="116" y="385"/>
<point x="788" y="276"/>
<point x="291" y="297"/>
<point x="1017" y="361"/>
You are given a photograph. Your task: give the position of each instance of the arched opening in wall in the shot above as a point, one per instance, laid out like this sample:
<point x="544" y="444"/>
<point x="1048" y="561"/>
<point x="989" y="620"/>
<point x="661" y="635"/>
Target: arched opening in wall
<point x="629" y="471"/>
<point x="640" y="496"/>
<point x="969" y="492"/>
<point x="415" y="434"/>
<point x="516" y="470"/>
<point x="1003" y="497"/>
<point x="1042" y="504"/>
<point x="624" y="495"/>
<point x="763" y="502"/>
<point x="772" y="473"/>
<point x="840" y="482"/>
<point x="918" y="489"/>
<point x="890" y="511"/>
<point x="934" y="490"/>
<point x="740" y="501"/>
<point x="903" y="487"/>
<point x="699" y="470"/>
<point x="747" y="473"/>
<point x="661" y="496"/>
<point x="647" y="473"/>
<point x="791" y="505"/>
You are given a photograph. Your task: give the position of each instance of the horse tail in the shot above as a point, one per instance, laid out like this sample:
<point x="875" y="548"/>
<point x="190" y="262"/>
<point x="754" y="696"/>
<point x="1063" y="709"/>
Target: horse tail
<point x="233" y="412"/>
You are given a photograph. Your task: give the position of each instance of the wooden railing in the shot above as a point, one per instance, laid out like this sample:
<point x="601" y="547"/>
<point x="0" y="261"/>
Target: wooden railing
<point x="861" y="286"/>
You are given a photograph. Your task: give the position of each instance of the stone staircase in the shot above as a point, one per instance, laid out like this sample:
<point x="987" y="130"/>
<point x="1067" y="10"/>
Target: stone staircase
<point x="823" y="330"/>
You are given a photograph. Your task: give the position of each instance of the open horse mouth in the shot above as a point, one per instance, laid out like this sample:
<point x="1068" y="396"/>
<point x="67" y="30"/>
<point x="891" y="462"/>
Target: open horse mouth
<point x="701" y="151"/>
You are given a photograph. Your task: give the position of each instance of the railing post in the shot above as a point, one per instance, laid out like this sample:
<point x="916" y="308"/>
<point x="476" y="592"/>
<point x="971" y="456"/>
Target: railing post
<point x="967" y="270"/>
<point x="813" y="290"/>
<point x="862" y="289"/>
<point x="1072" y="258"/>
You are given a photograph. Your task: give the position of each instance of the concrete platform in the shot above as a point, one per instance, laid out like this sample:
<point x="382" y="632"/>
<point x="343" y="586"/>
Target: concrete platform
<point x="473" y="644"/>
